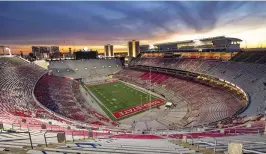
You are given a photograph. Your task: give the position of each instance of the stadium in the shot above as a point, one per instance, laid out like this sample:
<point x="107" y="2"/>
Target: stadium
<point x="161" y="95"/>
<point x="132" y="78"/>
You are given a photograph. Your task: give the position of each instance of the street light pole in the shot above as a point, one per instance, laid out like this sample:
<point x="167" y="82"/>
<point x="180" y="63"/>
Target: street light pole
<point x="150" y="89"/>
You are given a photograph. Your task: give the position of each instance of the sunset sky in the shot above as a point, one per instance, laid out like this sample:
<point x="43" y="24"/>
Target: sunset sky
<point x="94" y="24"/>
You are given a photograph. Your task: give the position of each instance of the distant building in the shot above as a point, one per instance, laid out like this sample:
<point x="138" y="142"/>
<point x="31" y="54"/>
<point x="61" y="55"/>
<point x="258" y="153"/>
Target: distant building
<point x="45" y="51"/>
<point x="40" y="51"/>
<point x="54" y="49"/>
<point x="35" y="50"/>
<point x="108" y="50"/>
<point x="133" y="48"/>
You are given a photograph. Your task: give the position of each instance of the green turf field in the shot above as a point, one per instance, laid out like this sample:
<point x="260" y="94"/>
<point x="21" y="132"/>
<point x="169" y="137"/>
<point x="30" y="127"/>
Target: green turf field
<point x="118" y="95"/>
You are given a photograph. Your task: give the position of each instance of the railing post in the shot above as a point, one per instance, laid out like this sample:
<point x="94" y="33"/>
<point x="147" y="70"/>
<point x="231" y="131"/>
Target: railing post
<point x="198" y="143"/>
<point x="215" y="143"/>
<point x="215" y="146"/>
<point x="30" y="141"/>
<point x="65" y="136"/>
<point x="23" y="133"/>
<point x="191" y="139"/>
<point x="73" y="136"/>
<point x="45" y="139"/>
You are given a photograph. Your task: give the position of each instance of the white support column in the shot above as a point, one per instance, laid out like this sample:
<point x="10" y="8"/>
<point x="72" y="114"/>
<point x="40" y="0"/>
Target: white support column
<point x="9" y="51"/>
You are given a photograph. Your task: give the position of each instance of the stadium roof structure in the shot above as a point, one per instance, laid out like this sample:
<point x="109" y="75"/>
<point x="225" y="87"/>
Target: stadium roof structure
<point x="220" y="38"/>
<point x="204" y="39"/>
<point x="173" y="43"/>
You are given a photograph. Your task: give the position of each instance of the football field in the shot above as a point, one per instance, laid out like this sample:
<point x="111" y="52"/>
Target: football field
<point x="120" y="100"/>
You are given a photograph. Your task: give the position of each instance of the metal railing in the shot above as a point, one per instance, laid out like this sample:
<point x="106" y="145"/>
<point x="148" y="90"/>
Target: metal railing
<point x="191" y="138"/>
<point x="17" y="139"/>
<point x="215" y="142"/>
<point x="245" y="130"/>
<point x="45" y="138"/>
<point x="246" y="141"/>
<point x="252" y="151"/>
<point x="78" y="131"/>
<point x="16" y="124"/>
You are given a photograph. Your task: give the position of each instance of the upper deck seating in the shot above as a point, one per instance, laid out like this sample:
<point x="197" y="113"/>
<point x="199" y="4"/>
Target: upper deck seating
<point x="17" y="80"/>
<point x="90" y="70"/>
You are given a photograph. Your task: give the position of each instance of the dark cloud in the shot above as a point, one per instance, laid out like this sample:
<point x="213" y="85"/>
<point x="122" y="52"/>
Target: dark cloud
<point x="103" y="22"/>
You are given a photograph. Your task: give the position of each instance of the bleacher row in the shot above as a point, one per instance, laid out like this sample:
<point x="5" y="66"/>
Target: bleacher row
<point x="250" y="57"/>
<point x="17" y="80"/>
<point x="89" y="70"/>
<point x="14" y="91"/>
<point x="195" y="103"/>
<point x="118" y="146"/>
<point x="251" y="77"/>
<point x="21" y="138"/>
<point x="63" y="96"/>
<point x="252" y="143"/>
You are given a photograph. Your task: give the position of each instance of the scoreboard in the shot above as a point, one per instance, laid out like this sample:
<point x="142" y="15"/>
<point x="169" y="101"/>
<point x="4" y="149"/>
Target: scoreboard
<point x="86" y="55"/>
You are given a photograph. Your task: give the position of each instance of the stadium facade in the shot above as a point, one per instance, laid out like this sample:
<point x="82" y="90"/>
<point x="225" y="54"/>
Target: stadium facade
<point x="220" y="43"/>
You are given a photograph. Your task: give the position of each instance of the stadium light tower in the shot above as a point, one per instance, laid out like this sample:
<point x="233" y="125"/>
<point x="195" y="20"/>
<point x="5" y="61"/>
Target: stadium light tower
<point x="150" y="89"/>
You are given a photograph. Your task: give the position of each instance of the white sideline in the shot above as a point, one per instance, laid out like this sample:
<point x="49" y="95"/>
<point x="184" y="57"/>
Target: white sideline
<point x="97" y="100"/>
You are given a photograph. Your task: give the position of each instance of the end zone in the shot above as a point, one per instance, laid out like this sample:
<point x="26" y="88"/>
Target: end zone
<point x="138" y="108"/>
